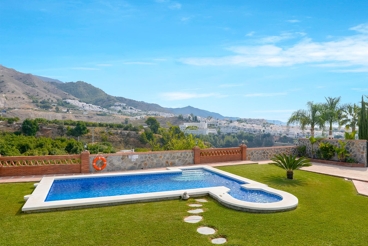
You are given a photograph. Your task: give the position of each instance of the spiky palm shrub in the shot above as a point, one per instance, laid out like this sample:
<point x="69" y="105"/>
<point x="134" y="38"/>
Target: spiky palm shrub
<point x="290" y="163"/>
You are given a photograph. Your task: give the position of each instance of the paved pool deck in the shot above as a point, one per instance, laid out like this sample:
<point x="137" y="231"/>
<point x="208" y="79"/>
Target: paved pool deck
<point x="358" y="175"/>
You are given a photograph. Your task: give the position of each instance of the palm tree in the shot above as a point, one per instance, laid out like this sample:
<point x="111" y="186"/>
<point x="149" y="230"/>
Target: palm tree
<point x="290" y="163"/>
<point x="311" y="117"/>
<point x="350" y="116"/>
<point x="331" y="112"/>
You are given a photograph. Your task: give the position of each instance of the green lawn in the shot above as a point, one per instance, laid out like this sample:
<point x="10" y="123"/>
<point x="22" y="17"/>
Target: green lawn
<point x="329" y="213"/>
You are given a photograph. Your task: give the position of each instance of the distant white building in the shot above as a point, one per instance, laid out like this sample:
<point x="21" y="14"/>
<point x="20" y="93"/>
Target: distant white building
<point x="197" y="128"/>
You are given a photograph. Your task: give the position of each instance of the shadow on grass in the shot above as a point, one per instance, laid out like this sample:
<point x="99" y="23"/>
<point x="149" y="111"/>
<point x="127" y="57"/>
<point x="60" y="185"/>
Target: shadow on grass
<point x="282" y="181"/>
<point x="20" y="212"/>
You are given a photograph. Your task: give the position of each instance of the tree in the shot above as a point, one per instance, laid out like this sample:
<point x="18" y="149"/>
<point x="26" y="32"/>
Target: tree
<point x="290" y="163"/>
<point x="311" y="117"/>
<point x="153" y="124"/>
<point x="73" y="147"/>
<point x="79" y="130"/>
<point x="331" y="112"/>
<point x="350" y="116"/>
<point x="29" y="127"/>
<point x="363" y="122"/>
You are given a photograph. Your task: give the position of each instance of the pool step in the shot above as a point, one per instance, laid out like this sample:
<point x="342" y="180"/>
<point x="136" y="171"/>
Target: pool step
<point x="190" y="175"/>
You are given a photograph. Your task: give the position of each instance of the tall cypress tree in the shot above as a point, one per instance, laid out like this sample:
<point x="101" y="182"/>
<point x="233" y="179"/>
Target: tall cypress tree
<point x="363" y="122"/>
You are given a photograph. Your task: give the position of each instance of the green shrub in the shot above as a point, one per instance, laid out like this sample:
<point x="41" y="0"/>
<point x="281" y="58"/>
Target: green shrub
<point x="326" y="151"/>
<point x="302" y="150"/>
<point x="341" y="151"/>
<point x="350" y="160"/>
<point x="142" y="150"/>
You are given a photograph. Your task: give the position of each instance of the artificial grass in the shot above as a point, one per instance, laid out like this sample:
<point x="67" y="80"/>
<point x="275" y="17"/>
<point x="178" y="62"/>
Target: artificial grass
<point x="329" y="213"/>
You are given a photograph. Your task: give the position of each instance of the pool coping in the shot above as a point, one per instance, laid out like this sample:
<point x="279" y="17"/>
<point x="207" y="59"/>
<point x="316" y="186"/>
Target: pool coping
<point x="36" y="201"/>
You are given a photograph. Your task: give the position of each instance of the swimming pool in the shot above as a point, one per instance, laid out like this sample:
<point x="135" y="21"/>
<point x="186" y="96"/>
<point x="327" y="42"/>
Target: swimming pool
<point x="103" y="189"/>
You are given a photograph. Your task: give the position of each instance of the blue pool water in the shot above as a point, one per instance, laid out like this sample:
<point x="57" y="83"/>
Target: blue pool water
<point x="66" y="189"/>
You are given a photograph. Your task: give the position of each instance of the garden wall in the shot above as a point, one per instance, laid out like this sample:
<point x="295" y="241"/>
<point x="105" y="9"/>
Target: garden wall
<point x="356" y="148"/>
<point x="83" y="163"/>
<point x="146" y="160"/>
<point x="40" y="165"/>
<point x="266" y="153"/>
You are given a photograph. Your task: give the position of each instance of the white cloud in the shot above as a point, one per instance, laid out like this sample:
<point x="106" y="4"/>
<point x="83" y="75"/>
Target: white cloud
<point x="230" y="85"/>
<point x="353" y="70"/>
<point x="293" y="21"/>
<point x="250" y="34"/>
<point x="138" y="63"/>
<point x="360" y="89"/>
<point x="175" y="6"/>
<point x="174" y="96"/>
<point x="266" y="94"/>
<point x="276" y="39"/>
<point x="85" y="68"/>
<point x="160" y="59"/>
<point x="104" y="65"/>
<point x="171" y="5"/>
<point x="362" y="28"/>
<point x="346" y="51"/>
<point x="184" y="19"/>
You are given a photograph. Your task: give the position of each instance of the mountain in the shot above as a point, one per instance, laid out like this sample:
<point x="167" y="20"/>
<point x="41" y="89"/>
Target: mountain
<point x="196" y="112"/>
<point x="89" y="94"/>
<point x="277" y="122"/>
<point x="48" y="79"/>
<point x="24" y="91"/>
<point x="27" y="91"/>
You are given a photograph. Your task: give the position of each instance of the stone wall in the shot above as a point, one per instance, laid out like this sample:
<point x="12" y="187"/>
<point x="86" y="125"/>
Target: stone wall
<point x="356" y="148"/>
<point x="146" y="160"/>
<point x="261" y="154"/>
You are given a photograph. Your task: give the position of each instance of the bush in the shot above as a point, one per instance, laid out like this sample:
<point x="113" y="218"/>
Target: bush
<point x="341" y="151"/>
<point x="142" y="150"/>
<point x="326" y="151"/>
<point x="351" y="160"/>
<point x="104" y="147"/>
<point x="302" y="150"/>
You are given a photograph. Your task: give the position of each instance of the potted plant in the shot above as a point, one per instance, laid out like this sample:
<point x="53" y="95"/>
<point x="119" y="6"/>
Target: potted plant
<point x="290" y="163"/>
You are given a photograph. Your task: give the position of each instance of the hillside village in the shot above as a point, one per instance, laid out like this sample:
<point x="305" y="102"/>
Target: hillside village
<point x="28" y="96"/>
<point x="209" y="125"/>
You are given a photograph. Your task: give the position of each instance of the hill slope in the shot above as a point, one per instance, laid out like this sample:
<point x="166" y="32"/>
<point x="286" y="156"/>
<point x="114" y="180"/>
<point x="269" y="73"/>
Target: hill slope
<point x="20" y="90"/>
<point x="196" y="111"/>
<point x="23" y="91"/>
<point x="93" y="95"/>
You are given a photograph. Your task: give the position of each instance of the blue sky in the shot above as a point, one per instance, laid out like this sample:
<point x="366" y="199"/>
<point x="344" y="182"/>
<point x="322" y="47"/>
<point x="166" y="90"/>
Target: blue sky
<point x="249" y="59"/>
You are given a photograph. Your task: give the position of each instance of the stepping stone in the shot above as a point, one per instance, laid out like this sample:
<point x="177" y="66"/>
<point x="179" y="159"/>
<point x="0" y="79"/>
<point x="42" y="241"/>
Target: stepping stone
<point x="193" y="219"/>
<point x="196" y="211"/>
<point x="195" y="205"/>
<point x="219" y="240"/>
<point x="201" y="200"/>
<point x="206" y="230"/>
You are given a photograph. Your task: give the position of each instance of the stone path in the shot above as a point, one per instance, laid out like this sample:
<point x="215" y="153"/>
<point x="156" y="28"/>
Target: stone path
<point x="359" y="175"/>
<point x="204" y="230"/>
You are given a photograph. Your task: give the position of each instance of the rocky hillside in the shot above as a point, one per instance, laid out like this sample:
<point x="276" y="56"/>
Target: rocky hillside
<point x="22" y="95"/>
<point x="89" y="94"/>
<point x="23" y="91"/>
